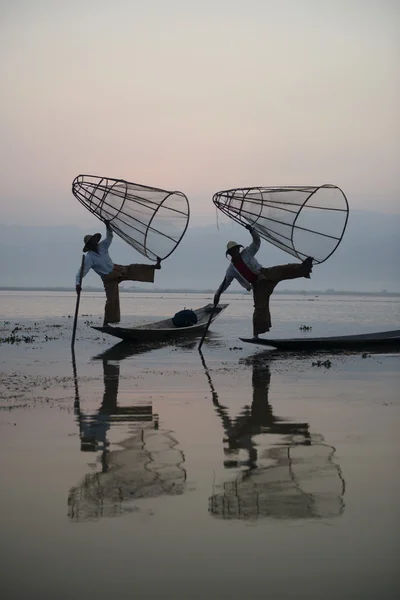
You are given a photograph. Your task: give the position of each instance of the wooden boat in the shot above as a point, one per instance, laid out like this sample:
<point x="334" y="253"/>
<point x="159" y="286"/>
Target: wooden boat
<point x="164" y="330"/>
<point x="386" y="340"/>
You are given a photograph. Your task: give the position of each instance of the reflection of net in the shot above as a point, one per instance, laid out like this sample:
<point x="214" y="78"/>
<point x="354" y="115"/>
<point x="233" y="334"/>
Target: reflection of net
<point x="303" y="483"/>
<point x="149" y="465"/>
<point x="151" y="220"/>
<point x="303" y="221"/>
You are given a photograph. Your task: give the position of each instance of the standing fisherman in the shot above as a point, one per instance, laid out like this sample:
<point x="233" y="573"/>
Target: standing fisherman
<point x="262" y="280"/>
<point x="98" y="259"/>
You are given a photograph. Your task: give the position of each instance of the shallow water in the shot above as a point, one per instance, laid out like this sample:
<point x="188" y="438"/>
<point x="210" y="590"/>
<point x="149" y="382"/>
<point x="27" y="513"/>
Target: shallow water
<point x="153" y="473"/>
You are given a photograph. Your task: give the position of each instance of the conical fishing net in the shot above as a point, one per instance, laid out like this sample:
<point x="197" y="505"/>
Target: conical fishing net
<point x="303" y="221"/>
<point x="151" y="220"/>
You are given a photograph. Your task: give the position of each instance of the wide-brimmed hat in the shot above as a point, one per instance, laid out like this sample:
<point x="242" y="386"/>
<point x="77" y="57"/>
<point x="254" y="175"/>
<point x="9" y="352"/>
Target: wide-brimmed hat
<point x="96" y="237"/>
<point x="231" y="245"/>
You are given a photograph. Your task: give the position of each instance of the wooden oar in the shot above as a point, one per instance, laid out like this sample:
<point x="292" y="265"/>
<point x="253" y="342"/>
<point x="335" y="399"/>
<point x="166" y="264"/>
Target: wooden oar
<point x="208" y="325"/>
<point x="77" y="301"/>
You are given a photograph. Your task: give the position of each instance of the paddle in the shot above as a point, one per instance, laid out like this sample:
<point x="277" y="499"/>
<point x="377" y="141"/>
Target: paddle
<point x="208" y="325"/>
<point x="77" y="301"/>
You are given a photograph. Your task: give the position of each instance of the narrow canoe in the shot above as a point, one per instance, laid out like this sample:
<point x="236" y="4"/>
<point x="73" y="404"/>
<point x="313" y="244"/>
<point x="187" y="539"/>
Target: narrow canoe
<point x="164" y="330"/>
<point x="389" y="340"/>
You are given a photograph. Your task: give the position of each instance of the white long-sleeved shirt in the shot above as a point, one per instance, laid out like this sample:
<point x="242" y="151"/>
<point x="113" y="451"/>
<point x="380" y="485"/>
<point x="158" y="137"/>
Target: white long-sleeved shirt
<point x="99" y="261"/>
<point x="248" y="256"/>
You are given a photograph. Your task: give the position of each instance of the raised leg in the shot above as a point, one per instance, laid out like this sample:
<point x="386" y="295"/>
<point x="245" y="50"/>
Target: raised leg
<point x="143" y="273"/>
<point x="289" y="271"/>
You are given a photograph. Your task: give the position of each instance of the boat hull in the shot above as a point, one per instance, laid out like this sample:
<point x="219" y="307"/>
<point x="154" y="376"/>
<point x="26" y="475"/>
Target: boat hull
<point x="164" y="330"/>
<point x="388" y="340"/>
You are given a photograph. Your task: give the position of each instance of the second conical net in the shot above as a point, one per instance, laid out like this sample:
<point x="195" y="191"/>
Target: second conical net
<point x="303" y="221"/>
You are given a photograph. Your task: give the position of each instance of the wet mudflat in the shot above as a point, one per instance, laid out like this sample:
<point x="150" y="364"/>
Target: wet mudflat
<point x="156" y="472"/>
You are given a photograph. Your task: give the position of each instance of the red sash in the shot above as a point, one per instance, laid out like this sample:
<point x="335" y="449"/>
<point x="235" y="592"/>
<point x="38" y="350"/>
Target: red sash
<point x="244" y="270"/>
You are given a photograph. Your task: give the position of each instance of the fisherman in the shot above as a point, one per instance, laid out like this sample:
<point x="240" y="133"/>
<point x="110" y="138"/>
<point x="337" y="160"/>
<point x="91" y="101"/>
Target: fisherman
<point x="98" y="259"/>
<point x="261" y="280"/>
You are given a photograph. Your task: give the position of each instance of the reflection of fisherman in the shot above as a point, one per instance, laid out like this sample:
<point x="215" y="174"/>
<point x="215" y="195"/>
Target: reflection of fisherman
<point x="255" y="420"/>
<point x="299" y="479"/>
<point x="251" y="275"/>
<point x="148" y="463"/>
<point x="98" y="259"/>
<point x="94" y="428"/>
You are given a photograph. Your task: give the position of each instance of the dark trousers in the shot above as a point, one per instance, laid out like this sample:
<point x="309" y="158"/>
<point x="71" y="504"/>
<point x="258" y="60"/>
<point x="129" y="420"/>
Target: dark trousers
<point x="112" y="312"/>
<point x="265" y="285"/>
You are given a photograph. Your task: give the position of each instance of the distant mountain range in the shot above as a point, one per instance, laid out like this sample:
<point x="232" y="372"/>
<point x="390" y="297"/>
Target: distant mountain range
<point x="366" y="260"/>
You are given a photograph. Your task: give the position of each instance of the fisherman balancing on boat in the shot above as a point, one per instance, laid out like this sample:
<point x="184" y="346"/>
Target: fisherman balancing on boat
<point x="98" y="259"/>
<point x="261" y="280"/>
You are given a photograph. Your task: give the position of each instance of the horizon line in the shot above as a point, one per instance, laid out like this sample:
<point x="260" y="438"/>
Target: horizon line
<point x="327" y="292"/>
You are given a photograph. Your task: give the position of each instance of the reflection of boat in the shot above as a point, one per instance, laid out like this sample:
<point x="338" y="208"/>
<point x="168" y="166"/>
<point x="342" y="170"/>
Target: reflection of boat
<point x="124" y="350"/>
<point x="384" y="341"/>
<point x="294" y="479"/>
<point x="165" y="330"/>
<point x="147" y="464"/>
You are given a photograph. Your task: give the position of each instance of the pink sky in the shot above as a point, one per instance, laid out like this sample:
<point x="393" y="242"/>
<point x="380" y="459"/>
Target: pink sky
<point x="197" y="96"/>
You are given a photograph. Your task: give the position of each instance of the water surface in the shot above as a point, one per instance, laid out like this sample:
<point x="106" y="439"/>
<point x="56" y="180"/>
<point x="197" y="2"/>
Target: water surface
<point x="153" y="473"/>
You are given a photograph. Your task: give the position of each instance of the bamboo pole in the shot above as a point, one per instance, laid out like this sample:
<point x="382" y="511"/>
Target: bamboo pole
<point x="208" y="325"/>
<point x="77" y="301"/>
